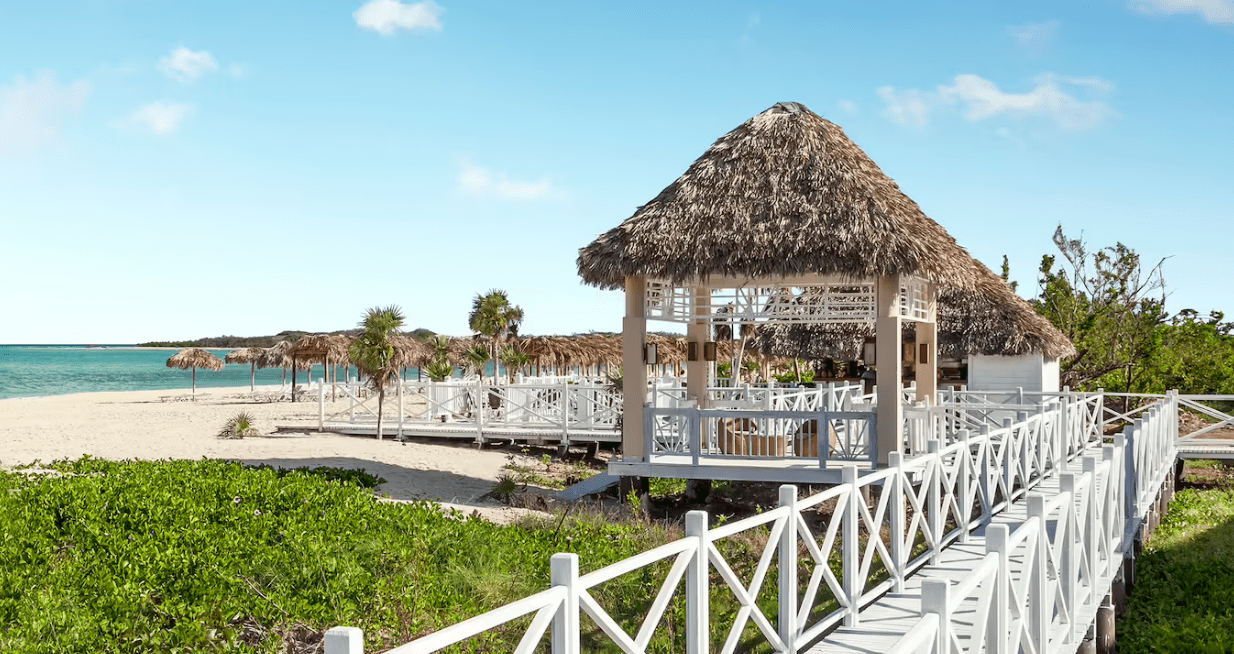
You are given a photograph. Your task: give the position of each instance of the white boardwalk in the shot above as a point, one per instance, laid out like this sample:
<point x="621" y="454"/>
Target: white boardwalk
<point x="1007" y="540"/>
<point x="885" y="622"/>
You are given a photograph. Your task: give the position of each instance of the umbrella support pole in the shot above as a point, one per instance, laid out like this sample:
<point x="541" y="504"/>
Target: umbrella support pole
<point x="400" y="409"/>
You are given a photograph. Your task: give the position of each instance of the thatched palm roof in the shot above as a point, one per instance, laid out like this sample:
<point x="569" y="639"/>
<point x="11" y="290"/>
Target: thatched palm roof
<point x="410" y="351"/>
<point x="992" y="319"/>
<point x="245" y="355"/>
<point x="279" y="356"/>
<point x="194" y="357"/>
<point x="786" y="193"/>
<point x="313" y="347"/>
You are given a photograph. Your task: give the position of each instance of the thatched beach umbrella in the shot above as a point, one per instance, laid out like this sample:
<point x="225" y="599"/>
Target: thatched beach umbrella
<point x="249" y="355"/>
<point x="194" y="357"/>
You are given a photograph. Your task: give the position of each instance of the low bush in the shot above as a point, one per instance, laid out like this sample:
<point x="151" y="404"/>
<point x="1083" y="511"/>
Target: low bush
<point x="1183" y="600"/>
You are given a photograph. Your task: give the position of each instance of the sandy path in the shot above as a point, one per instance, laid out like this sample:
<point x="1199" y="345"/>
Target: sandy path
<point x="138" y="425"/>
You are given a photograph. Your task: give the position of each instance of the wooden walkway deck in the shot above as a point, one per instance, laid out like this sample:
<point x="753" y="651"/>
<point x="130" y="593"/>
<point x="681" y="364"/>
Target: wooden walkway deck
<point x="884" y="622"/>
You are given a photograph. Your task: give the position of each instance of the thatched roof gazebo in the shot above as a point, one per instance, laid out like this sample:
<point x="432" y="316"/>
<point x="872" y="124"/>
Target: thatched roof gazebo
<point x="194" y="357"/>
<point x="249" y="355"/>
<point x="782" y="220"/>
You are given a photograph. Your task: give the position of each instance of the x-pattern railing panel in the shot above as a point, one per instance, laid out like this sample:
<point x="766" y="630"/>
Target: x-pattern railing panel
<point x="1061" y="556"/>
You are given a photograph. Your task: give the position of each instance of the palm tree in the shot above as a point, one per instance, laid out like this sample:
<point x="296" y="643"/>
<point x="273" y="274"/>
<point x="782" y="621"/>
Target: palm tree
<point x="373" y="351"/>
<point x="514" y="360"/>
<point x="476" y="358"/>
<point x="439" y="367"/>
<point x="493" y="317"/>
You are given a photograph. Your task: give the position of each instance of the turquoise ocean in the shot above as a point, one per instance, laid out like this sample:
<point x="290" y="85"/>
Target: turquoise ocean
<point x="35" y="370"/>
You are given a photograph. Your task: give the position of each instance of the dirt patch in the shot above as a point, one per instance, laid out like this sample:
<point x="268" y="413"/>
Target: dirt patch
<point x="1189" y="423"/>
<point x="1220" y="475"/>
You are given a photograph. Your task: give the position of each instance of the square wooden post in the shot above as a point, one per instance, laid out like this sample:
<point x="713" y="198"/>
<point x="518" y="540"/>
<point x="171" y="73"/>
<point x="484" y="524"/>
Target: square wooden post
<point x="927" y="341"/>
<point x="633" y="371"/>
<point x="890" y="367"/>
<point x="698" y="332"/>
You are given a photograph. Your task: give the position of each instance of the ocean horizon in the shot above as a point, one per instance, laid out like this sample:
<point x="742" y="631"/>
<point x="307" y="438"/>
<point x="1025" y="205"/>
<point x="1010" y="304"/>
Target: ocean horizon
<point x="35" y="370"/>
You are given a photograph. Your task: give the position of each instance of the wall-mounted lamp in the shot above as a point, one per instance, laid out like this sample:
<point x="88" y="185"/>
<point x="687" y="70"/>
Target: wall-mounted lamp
<point x="923" y="353"/>
<point x="692" y="351"/>
<point x="649" y="354"/>
<point x="709" y="350"/>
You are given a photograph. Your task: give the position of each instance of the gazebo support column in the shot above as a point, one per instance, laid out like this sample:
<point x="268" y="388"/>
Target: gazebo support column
<point x="634" y="371"/>
<point x="696" y="332"/>
<point x="927" y="343"/>
<point x="889" y="339"/>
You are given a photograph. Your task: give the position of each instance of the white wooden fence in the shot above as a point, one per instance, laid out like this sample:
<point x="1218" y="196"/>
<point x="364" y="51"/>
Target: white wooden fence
<point x="918" y="506"/>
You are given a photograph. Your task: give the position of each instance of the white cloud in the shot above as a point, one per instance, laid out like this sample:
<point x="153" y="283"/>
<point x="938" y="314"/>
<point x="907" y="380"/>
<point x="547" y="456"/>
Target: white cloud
<point x="978" y="99"/>
<point x="1035" y="36"/>
<point x="911" y="107"/>
<point x="389" y="16"/>
<point x="31" y="111"/>
<point x="161" y="117"/>
<point x="475" y="180"/>
<point x="184" y="65"/>
<point x="1213" y="11"/>
<point x="847" y="106"/>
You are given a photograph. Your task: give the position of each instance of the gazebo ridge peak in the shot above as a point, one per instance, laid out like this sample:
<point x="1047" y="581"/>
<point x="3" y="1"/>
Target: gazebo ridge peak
<point x="785" y="194"/>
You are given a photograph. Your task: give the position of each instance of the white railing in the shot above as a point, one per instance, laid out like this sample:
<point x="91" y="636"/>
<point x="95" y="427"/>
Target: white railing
<point x="737" y="434"/>
<point x="563" y="407"/>
<point x="1052" y="572"/>
<point x="917" y="507"/>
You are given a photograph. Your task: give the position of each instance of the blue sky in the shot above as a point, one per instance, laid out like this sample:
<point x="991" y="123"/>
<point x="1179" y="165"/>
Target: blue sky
<point x="173" y="170"/>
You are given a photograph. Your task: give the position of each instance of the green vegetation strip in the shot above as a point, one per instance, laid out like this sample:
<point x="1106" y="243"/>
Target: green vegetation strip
<point x="1183" y="599"/>
<point x="173" y="556"/>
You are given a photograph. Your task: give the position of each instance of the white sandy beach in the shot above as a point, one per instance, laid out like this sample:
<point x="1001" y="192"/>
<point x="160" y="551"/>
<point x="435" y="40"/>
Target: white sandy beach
<point x="138" y="425"/>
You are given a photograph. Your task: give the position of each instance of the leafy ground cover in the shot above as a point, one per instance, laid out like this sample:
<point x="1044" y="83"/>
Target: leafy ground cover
<point x="166" y="556"/>
<point x="175" y="556"/>
<point x="1184" y="594"/>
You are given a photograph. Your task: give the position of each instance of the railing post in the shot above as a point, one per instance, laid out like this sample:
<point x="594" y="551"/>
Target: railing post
<point x="964" y="491"/>
<point x="694" y="423"/>
<point x="1038" y="587"/>
<point x="1111" y="512"/>
<point x="344" y="640"/>
<point x="1130" y="493"/>
<point x="895" y="487"/>
<point x="996" y="542"/>
<point x="565" y="413"/>
<point x="1008" y="461"/>
<point x="697" y="611"/>
<point x="481" y="402"/>
<point x="934" y="502"/>
<point x="1064" y="431"/>
<point x="988" y="485"/>
<point x="564" y="571"/>
<point x="851" y="559"/>
<point x="1026" y="443"/>
<point x="1069" y="566"/>
<point x="400" y="383"/>
<point x="936" y="599"/>
<point x="1092" y="531"/>
<point x="788" y="569"/>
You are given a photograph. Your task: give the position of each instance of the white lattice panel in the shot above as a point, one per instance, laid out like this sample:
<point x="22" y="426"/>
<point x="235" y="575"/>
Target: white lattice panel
<point x="848" y="302"/>
<point x="914" y="300"/>
<point x="663" y="301"/>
